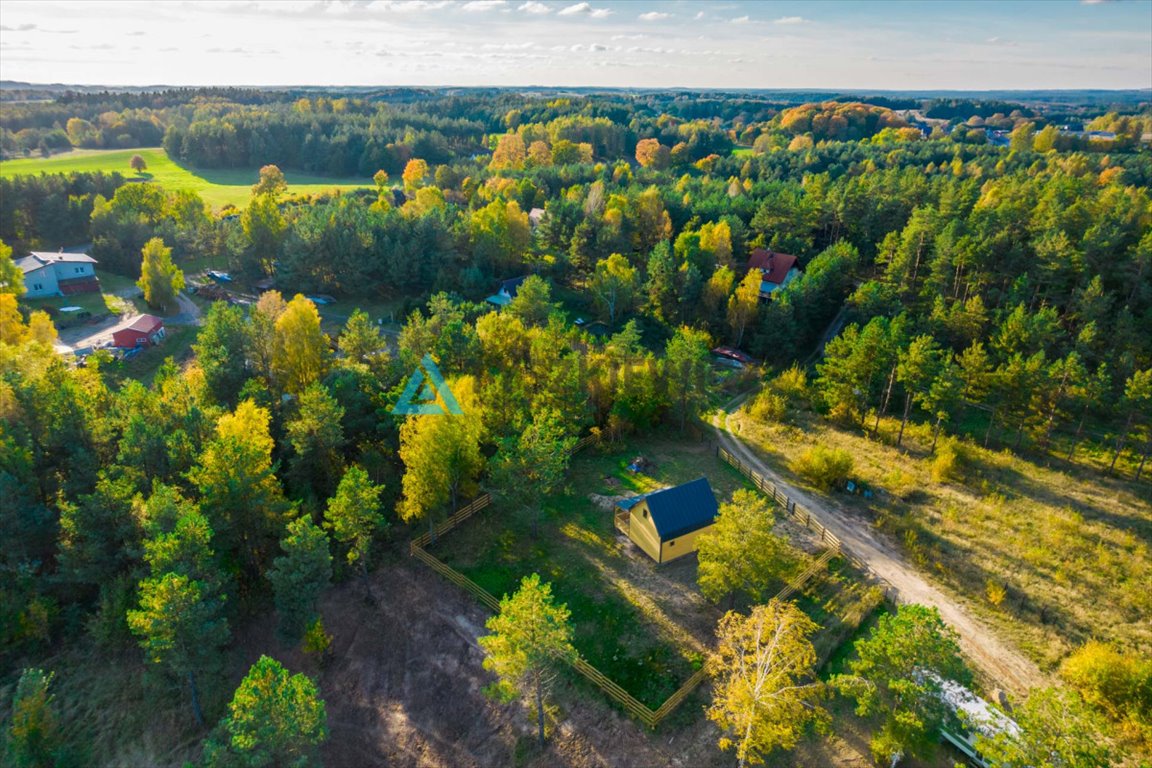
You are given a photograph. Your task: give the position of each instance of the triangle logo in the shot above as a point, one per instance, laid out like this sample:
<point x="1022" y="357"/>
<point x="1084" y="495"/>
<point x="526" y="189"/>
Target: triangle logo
<point x="425" y="386"/>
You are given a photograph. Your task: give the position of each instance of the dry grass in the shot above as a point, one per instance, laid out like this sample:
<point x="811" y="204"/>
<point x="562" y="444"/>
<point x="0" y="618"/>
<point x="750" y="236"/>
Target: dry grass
<point x="1069" y="548"/>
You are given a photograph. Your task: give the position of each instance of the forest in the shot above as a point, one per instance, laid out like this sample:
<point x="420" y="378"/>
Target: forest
<point x="994" y="296"/>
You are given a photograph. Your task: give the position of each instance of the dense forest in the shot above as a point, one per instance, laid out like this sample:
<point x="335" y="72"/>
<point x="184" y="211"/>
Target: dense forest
<point x="940" y="276"/>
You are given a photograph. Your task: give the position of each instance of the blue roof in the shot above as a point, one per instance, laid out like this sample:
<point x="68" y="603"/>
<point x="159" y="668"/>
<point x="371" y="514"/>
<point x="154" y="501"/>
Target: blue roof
<point x="679" y="510"/>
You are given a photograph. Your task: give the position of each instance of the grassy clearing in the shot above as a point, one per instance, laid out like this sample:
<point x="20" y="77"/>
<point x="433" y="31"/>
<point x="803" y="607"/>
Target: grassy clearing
<point x="1052" y="555"/>
<point x="218" y="187"/>
<point x="645" y="626"/>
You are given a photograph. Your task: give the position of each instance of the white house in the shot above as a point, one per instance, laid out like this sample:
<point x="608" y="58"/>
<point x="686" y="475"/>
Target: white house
<point x="58" y="274"/>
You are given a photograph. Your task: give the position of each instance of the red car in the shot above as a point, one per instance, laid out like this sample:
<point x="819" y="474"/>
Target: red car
<point x="733" y="354"/>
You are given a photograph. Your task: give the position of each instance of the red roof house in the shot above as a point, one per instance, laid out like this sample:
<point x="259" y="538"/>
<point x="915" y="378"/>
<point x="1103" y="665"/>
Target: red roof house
<point x="145" y="331"/>
<point x="776" y="269"/>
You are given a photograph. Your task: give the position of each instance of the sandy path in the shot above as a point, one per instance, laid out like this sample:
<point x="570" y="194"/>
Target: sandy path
<point x="1003" y="665"/>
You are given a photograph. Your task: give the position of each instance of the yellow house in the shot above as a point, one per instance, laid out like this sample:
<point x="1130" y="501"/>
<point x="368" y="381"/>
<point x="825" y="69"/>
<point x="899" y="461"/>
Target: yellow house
<point x="666" y="523"/>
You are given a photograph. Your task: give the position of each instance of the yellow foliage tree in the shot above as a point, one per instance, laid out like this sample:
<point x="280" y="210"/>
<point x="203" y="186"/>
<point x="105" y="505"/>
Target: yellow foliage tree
<point x="300" y="353"/>
<point x="766" y="692"/>
<point x="415" y="172"/>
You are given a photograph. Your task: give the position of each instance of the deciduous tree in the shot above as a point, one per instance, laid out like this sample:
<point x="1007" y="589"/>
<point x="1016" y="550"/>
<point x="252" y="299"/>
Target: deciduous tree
<point x="742" y="306"/>
<point x="688" y="372"/>
<point x="614" y="285"/>
<point x="1056" y="730"/>
<point x="160" y="279"/>
<point x="353" y="515"/>
<point x="766" y="692"/>
<point x="300" y="356"/>
<point x="741" y="553"/>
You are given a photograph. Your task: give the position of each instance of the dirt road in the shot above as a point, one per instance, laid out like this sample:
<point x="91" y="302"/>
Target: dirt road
<point x="1003" y="665"/>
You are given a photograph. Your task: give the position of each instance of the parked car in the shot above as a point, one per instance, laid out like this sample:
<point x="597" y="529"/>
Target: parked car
<point x="728" y="353"/>
<point x="220" y="277"/>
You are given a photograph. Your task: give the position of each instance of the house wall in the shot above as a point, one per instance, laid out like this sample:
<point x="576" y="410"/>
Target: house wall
<point x="73" y="270"/>
<point x="45" y="278"/>
<point x="681" y="545"/>
<point x="642" y="531"/>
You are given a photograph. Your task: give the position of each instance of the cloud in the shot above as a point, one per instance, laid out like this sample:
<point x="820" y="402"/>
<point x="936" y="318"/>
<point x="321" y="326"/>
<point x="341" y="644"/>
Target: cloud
<point x="17" y="28"/>
<point x="741" y="20"/>
<point x="653" y="16"/>
<point x="535" y="8"/>
<point x="699" y="15"/>
<point x="790" y="20"/>
<point x="483" y="5"/>
<point x="585" y="8"/>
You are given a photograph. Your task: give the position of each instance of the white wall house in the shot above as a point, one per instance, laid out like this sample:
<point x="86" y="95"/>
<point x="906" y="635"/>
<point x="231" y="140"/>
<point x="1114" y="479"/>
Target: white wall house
<point x="58" y="274"/>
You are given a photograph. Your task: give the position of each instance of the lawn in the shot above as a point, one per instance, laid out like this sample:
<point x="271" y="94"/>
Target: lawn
<point x="644" y="625"/>
<point x="218" y="187"/>
<point x="1051" y="554"/>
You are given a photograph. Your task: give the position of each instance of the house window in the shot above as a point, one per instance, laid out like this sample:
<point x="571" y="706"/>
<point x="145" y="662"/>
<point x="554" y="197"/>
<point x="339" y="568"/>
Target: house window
<point x="672" y="543"/>
<point x="645" y="514"/>
<point x="37" y="287"/>
<point x="79" y="270"/>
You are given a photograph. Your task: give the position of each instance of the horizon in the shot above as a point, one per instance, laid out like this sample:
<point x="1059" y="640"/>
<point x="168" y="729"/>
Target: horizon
<point x="735" y="46"/>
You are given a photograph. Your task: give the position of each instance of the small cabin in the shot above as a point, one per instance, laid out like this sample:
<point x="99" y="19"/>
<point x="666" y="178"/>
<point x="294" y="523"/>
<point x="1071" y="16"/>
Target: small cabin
<point x="667" y="523"/>
<point x="508" y="290"/>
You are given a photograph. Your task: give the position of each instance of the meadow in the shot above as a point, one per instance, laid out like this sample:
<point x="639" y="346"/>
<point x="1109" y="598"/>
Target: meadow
<point x="218" y="187"/>
<point x="1051" y="554"/>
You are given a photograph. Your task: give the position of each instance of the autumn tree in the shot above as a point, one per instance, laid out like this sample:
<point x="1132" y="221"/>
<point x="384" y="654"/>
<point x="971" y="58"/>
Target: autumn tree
<point x="300" y="356"/>
<point x="650" y="153"/>
<point x="742" y="305"/>
<point x="275" y="718"/>
<point x="299" y="577"/>
<point x="897" y="675"/>
<point x="160" y="279"/>
<point x="138" y="164"/>
<point x="415" y="173"/>
<point x="441" y="455"/>
<point x="238" y="488"/>
<point x="509" y="154"/>
<point x="531" y="635"/>
<point x="766" y="691"/>
<point x="354" y="516"/>
<point x="271" y="183"/>
<point x="741" y="553"/>
<point x="614" y="285"/>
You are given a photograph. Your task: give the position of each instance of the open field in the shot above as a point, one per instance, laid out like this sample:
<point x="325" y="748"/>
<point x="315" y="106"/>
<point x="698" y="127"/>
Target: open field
<point x="1051" y="556"/>
<point x="218" y="187"/>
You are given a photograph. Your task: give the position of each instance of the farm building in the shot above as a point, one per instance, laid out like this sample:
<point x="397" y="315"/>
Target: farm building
<point x="666" y="523"/>
<point x="145" y="331"/>
<point x="58" y="274"/>
<point x="776" y="270"/>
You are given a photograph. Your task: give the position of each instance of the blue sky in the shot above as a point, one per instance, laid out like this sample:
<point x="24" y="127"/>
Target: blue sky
<point x="970" y="44"/>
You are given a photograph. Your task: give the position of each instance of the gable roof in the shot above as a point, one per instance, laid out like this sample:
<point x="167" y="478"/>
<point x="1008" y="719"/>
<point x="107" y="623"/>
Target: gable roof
<point x="681" y="509"/>
<point x="774" y="266"/>
<point x="512" y="286"/>
<point x="39" y="259"/>
<point x="145" y="324"/>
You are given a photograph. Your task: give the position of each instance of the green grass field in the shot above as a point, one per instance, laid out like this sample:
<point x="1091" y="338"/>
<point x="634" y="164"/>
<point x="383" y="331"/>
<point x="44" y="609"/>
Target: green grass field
<point x="218" y="187"/>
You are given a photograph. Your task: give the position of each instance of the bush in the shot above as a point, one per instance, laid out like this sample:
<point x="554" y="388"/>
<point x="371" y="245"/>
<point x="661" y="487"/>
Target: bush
<point x="792" y="385"/>
<point x="825" y="468"/>
<point x="767" y="407"/>
<point x="948" y="463"/>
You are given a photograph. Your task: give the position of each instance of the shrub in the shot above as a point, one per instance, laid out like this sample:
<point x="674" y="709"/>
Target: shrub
<point x="824" y="467"/>
<point x="995" y="593"/>
<point x="948" y="463"/>
<point x="792" y="385"/>
<point x="1112" y="680"/>
<point x="767" y="407"/>
<point x="316" y="640"/>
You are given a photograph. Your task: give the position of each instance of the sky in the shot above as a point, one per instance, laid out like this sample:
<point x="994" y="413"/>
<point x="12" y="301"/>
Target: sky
<point x="900" y="45"/>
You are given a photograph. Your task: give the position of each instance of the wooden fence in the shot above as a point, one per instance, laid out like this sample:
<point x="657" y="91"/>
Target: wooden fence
<point x="805" y="517"/>
<point x="632" y="705"/>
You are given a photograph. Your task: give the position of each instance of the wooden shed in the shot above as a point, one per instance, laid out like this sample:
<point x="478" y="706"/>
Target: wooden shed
<point x="145" y="331"/>
<point x="666" y="523"/>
